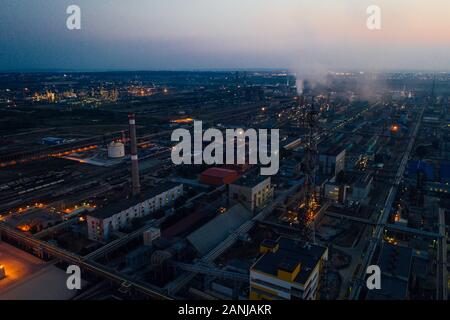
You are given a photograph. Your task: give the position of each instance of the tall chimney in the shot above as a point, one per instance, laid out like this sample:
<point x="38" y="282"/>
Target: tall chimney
<point x="136" y="187"/>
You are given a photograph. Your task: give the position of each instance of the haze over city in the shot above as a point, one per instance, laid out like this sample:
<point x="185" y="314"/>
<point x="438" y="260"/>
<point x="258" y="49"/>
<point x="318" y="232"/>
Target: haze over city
<point x="235" y="34"/>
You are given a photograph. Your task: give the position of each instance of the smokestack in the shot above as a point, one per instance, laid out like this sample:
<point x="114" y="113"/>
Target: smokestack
<point x="136" y="187"/>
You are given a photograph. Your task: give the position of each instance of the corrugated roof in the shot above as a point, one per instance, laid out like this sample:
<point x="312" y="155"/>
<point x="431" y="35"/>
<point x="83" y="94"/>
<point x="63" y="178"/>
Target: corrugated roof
<point x="218" y="229"/>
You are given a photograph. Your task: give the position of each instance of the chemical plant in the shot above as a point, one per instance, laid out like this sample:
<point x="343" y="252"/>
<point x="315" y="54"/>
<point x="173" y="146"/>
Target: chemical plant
<point x="363" y="180"/>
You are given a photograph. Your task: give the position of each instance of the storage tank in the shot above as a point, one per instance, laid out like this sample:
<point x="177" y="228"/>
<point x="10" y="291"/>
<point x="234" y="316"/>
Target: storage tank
<point x="116" y="150"/>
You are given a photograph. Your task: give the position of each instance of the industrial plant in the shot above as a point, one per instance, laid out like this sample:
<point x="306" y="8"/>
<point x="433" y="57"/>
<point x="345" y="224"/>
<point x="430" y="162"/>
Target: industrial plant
<point x="361" y="182"/>
<point x="93" y="205"/>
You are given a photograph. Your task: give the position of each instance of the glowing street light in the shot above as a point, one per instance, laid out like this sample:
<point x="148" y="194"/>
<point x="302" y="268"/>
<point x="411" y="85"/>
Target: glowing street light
<point x="394" y="128"/>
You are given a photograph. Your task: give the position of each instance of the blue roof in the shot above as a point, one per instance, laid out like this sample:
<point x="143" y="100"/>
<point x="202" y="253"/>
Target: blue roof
<point x="417" y="165"/>
<point x="445" y="172"/>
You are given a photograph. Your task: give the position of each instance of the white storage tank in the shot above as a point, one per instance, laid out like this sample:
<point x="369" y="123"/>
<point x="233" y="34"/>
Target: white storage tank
<point x="116" y="150"/>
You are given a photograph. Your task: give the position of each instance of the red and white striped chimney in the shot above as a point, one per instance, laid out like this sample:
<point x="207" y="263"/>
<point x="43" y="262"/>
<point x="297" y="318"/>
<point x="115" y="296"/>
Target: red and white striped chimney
<point x="136" y="187"/>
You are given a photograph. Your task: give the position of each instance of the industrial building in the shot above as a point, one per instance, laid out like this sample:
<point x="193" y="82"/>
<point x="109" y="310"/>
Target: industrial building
<point x="395" y="264"/>
<point x="332" y="160"/>
<point x="218" y="176"/>
<point x="287" y="270"/>
<point x="350" y="187"/>
<point x="102" y="222"/>
<point x="344" y="178"/>
<point x="253" y="191"/>
<point x="433" y="176"/>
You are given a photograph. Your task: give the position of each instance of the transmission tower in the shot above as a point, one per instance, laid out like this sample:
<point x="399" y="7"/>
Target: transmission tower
<point x="306" y="217"/>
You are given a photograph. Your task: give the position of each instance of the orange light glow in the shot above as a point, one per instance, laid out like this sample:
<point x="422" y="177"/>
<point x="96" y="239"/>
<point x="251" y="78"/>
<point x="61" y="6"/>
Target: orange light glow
<point x="24" y="228"/>
<point x="184" y="120"/>
<point x="62" y="154"/>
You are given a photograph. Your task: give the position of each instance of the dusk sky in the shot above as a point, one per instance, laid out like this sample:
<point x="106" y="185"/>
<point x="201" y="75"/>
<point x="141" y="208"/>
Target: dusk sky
<point x="228" y="34"/>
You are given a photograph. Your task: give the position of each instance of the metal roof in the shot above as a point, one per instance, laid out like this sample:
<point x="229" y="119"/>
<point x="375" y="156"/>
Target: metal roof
<point x="218" y="229"/>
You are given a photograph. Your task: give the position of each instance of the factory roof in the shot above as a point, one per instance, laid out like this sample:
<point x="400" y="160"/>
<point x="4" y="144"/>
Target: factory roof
<point x="218" y="176"/>
<point x="250" y="180"/>
<point x="289" y="254"/>
<point x="445" y="171"/>
<point x="391" y="289"/>
<point x="218" y="172"/>
<point x="425" y="166"/>
<point x="188" y="223"/>
<point x="218" y="229"/>
<point x="118" y="206"/>
<point x="395" y="263"/>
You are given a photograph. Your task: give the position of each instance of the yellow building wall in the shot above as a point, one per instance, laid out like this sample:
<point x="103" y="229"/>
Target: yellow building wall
<point x="261" y="296"/>
<point x="288" y="276"/>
